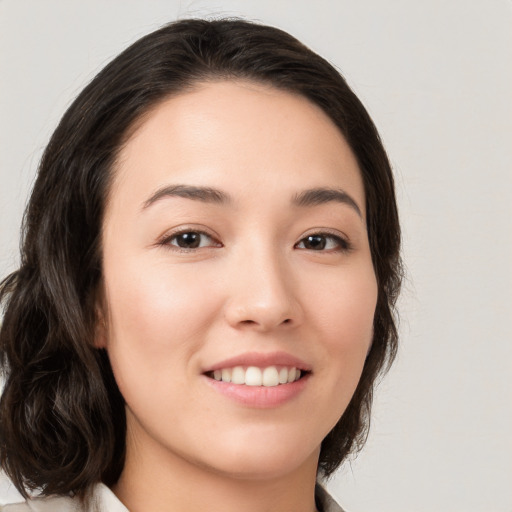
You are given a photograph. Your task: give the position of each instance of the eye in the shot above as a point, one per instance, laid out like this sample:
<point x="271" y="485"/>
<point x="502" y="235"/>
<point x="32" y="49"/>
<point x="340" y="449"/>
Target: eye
<point x="190" y="239"/>
<point x="323" y="242"/>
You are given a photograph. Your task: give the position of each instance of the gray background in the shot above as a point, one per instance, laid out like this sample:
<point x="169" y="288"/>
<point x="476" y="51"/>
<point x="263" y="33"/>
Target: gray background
<point x="436" y="76"/>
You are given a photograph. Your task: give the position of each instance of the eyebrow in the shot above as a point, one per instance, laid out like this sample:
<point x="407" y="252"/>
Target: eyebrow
<point x="304" y="199"/>
<point x="322" y="195"/>
<point x="204" y="194"/>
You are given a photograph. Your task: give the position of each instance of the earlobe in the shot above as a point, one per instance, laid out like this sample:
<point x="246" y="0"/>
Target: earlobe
<point x="100" y="339"/>
<point x="100" y="330"/>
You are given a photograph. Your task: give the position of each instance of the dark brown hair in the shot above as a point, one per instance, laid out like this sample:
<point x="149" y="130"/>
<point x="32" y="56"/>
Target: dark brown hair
<point x="62" y="419"/>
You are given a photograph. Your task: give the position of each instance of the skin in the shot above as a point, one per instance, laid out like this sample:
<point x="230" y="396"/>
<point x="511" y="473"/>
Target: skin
<point x="253" y="285"/>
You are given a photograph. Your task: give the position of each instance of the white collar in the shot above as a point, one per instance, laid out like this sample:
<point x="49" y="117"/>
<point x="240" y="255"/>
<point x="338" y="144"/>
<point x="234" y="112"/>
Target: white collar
<point x="104" y="500"/>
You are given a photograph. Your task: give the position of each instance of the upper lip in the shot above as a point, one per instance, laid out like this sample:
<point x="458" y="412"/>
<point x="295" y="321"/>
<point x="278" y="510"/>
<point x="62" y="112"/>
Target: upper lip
<point x="261" y="360"/>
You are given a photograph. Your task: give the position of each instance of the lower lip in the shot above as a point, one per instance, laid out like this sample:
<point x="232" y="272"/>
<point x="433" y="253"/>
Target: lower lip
<point x="260" y="397"/>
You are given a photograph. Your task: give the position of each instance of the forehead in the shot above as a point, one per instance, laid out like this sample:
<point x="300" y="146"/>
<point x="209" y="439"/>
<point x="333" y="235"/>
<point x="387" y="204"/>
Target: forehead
<point x="251" y="138"/>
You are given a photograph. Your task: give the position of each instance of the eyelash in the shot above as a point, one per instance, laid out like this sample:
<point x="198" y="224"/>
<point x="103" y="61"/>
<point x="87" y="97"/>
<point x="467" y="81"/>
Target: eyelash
<point x="342" y="244"/>
<point x="166" y="241"/>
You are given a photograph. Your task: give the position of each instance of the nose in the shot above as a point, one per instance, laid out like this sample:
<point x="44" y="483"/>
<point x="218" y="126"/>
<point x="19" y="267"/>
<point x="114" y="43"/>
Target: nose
<point x="262" y="295"/>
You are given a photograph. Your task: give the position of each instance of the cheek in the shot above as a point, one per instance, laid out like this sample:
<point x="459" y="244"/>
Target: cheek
<point x="340" y="309"/>
<point x="345" y="312"/>
<point x="345" y="306"/>
<point x="155" y="317"/>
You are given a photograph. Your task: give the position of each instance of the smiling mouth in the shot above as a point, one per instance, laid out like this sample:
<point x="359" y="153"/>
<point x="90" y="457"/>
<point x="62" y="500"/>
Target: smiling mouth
<point x="269" y="376"/>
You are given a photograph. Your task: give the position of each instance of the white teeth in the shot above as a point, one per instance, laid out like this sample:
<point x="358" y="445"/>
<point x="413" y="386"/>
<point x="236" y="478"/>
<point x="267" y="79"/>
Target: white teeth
<point x="270" y="376"/>
<point x="238" y="375"/>
<point x="253" y="376"/>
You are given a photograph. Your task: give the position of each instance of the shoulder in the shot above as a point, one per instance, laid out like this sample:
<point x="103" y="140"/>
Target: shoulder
<point x="53" y="504"/>
<point x="102" y="500"/>
<point x="324" y="501"/>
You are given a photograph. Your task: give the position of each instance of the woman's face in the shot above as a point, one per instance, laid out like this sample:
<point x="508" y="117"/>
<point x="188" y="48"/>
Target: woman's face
<point x="235" y="247"/>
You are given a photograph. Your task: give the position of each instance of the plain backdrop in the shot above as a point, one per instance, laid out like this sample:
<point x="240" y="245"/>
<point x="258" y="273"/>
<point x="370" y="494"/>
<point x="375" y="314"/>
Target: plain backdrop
<point x="436" y="75"/>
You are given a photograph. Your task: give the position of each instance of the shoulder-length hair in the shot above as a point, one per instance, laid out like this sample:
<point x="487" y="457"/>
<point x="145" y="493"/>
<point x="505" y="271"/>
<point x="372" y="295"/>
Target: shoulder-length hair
<point x="62" y="418"/>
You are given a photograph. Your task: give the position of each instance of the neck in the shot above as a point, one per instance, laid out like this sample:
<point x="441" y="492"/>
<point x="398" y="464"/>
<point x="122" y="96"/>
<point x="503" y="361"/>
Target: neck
<point x="162" y="482"/>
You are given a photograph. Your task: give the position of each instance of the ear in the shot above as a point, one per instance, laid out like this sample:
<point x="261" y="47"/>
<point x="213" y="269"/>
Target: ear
<point x="100" y="322"/>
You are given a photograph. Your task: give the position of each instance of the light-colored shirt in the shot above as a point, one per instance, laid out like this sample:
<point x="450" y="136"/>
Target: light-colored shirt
<point x="104" y="500"/>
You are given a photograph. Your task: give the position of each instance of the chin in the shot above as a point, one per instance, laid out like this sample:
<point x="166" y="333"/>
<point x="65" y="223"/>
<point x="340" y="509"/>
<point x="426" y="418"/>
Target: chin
<point x="254" y="462"/>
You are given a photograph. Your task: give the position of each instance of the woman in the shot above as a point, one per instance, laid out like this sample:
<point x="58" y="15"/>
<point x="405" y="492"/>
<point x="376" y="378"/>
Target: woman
<point x="209" y="269"/>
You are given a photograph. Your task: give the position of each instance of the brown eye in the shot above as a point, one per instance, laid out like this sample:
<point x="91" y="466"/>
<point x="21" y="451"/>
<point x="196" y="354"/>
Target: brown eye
<point x="323" y="242"/>
<point x="191" y="240"/>
<point x="315" y="242"/>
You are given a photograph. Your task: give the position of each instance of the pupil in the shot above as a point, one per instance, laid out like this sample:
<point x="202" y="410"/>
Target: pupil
<point x="189" y="240"/>
<point x="315" y="242"/>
